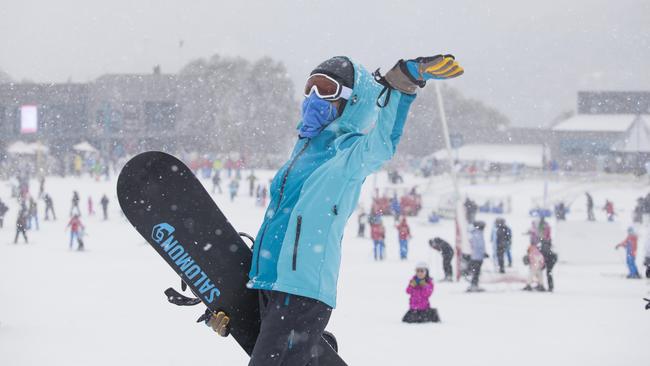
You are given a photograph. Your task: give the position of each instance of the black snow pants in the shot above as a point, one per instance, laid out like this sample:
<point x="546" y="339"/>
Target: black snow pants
<point x="446" y="265"/>
<point x="291" y="330"/>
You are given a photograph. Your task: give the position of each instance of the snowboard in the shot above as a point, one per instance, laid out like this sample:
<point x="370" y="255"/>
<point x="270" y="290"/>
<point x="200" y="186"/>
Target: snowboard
<point x="171" y="209"/>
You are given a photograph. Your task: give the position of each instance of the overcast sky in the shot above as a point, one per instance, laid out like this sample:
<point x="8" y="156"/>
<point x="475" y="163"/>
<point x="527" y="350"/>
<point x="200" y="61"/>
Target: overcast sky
<point x="527" y="58"/>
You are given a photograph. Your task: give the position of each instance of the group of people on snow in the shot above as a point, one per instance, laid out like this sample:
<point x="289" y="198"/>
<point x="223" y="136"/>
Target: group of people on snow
<point x="27" y="217"/>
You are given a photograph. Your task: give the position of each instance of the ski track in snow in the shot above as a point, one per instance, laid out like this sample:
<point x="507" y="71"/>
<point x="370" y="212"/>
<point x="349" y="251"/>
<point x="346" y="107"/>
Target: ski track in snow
<point x="106" y="306"/>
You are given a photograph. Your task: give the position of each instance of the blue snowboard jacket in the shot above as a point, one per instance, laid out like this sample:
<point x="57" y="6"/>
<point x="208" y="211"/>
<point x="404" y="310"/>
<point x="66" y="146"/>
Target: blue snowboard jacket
<point x="298" y="247"/>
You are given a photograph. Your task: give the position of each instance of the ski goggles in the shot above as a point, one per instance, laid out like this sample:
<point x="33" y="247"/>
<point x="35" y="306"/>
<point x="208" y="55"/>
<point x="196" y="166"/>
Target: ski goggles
<point x="326" y="88"/>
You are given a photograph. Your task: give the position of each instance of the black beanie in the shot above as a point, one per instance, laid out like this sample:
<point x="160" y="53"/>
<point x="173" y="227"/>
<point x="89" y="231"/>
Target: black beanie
<point x="340" y="68"/>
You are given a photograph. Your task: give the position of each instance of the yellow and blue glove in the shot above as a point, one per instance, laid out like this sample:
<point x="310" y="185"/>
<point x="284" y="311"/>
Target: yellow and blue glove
<point x="407" y="75"/>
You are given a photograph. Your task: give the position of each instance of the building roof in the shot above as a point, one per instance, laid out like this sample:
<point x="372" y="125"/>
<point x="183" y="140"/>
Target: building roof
<point x="637" y="139"/>
<point x="597" y="123"/>
<point x="528" y="155"/>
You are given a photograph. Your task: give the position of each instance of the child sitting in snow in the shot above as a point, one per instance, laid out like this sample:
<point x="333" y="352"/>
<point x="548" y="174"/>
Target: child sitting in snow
<point x="420" y="288"/>
<point x="535" y="261"/>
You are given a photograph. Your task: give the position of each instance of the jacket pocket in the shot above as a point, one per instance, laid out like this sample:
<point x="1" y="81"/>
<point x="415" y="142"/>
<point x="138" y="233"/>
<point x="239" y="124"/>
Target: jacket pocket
<point x="295" y="244"/>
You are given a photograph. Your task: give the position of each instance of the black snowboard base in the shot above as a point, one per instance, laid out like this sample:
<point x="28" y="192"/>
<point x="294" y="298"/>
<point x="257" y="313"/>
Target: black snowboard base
<point x="169" y="207"/>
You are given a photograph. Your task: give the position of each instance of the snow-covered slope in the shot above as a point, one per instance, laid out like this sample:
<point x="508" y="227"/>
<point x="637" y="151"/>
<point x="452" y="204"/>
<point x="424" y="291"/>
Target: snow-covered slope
<point x="106" y="307"/>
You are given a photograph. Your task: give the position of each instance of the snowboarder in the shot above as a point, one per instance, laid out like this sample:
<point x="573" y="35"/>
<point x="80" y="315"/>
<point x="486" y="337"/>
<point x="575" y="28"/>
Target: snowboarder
<point x="609" y="210"/>
<point x="3" y="211"/>
<point x="403" y="234"/>
<point x="104" y="203"/>
<point x="216" y="181"/>
<point x="447" y="254"/>
<point x="331" y="158"/>
<point x="378" y="234"/>
<point x="420" y="289"/>
<point x="630" y="245"/>
<point x="49" y="207"/>
<point x="361" y="221"/>
<point x="477" y="243"/>
<point x="535" y="261"/>
<point x="32" y="214"/>
<point x="21" y="224"/>
<point x="76" y="228"/>
<point x="503" y="240"/>
<point x="590" y="207"/>
<point x="233" y="187"/>
<point x="74" y="209"/>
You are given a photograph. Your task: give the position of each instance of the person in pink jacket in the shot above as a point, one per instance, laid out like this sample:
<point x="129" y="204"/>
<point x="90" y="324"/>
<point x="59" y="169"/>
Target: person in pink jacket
<point x="536" y="265"/>
<point x="420" y="289"/>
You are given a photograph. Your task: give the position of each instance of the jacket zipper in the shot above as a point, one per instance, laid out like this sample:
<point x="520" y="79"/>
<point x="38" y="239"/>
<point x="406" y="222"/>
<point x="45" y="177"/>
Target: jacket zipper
<point x="277" y="207"/>
<point x="295" y="244"/>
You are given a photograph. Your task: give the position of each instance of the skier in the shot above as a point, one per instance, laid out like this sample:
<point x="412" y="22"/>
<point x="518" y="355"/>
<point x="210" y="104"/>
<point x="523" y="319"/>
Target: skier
<point x="609" y="209"/>
<point x="3" y="211"/>
<point x="91" y="211"/>
<point x="503" y="240"/>
<point x="646" y="261"/>
<point x="404" y="234"/>
<point x="297" y="253"/>
<point x="104" y="203"/>
<point x="75" y="204"/>
<point x="395" y="207"/>
<point x="560" y="211"/>
<point x="477" y="243"/>
<point x="263" y="194"/>
<point x="535" y="261"/>
<point x="361" y="221"/>
<point x="378" y="234"/>
<point x="76" y="228"/>
<point x="233" y="187"/>
<point x="49" y="207"/>
<point x="447" y="254"/>
<point x="251" y="183"/>
<point x="32" y="214"/>
<point x="21" y="223"/>
<point x="590" y="207"/>
<point x="546" y="248"/>
<point x="470" y="210"/>
<point x="41" y="186"/>
<point x="216" y="181"/>
<point x="420" y="289"/>
<point x="630" y="245"/>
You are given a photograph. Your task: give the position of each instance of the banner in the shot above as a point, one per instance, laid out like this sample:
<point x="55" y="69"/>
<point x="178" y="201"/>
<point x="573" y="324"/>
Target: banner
<point x="28" y="119"/>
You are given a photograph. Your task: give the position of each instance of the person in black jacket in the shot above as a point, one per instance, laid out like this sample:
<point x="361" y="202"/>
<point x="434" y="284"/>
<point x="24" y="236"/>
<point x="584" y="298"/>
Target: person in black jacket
<point x="503" y="241"/>
<point x="21" y="223"/>
<point x="3" y="211"/>
<point x="49" y="207"/>
<point x="447" y="254"/>
<point x="104" y="203"/>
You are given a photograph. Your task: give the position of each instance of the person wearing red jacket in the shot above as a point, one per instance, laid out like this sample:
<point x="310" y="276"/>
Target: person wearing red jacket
<point x="630" y="245"/>
<point x="378" y="233"/>
<point x="404" y="234"/>
<point x="76" y="228"/>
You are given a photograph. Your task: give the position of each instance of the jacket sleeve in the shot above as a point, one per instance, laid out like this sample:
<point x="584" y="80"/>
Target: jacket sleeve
<point x="370" y="151"/>
<point x="428" y="289"/>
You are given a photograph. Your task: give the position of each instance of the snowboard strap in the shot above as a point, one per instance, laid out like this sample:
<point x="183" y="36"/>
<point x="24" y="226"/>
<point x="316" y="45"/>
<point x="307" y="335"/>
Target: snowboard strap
<point x="249" y="237"/>
<point x="179" y="299"/>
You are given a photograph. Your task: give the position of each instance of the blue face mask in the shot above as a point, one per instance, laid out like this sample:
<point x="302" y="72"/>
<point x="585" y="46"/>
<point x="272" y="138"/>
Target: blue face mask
<point x="316" y="115"/>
